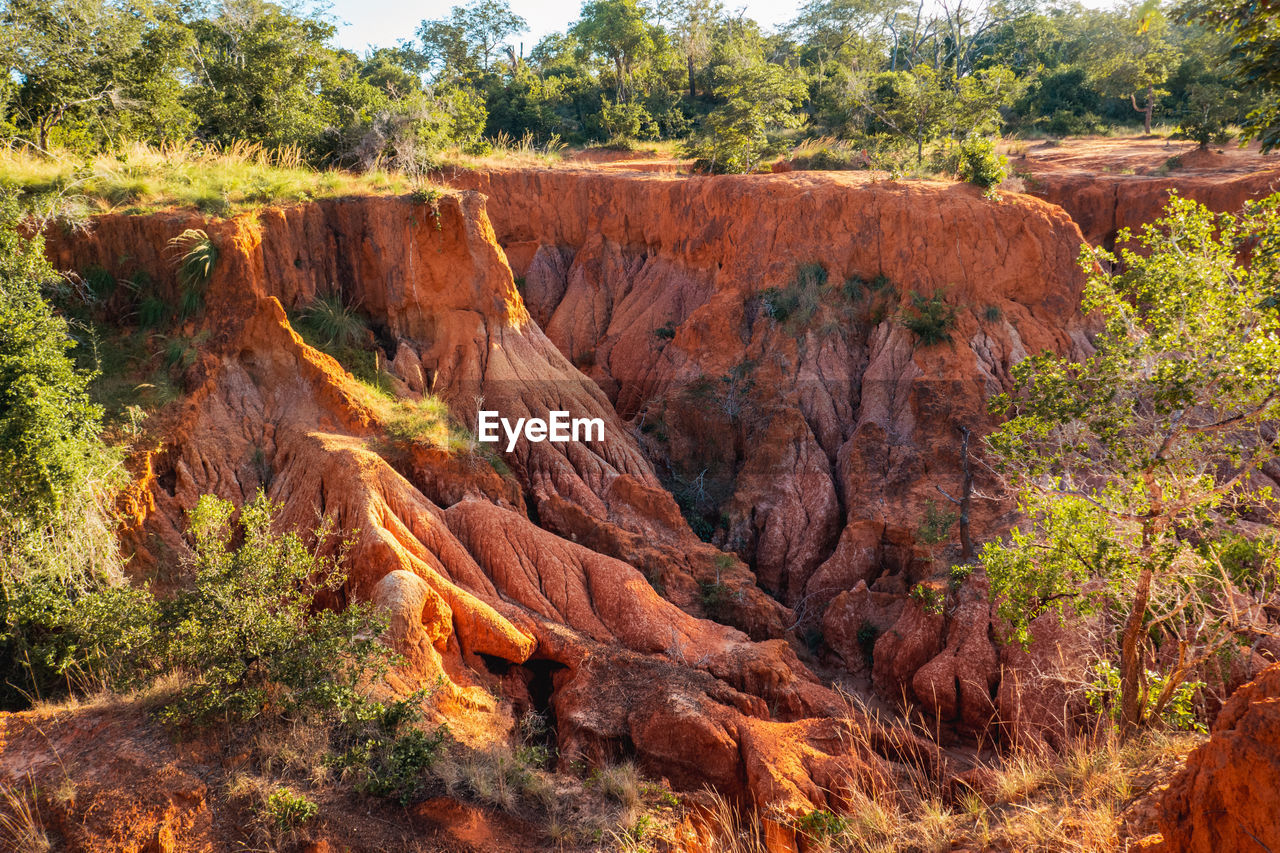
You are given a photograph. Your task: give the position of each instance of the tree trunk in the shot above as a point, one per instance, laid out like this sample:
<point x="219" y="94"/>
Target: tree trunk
<point x="1147" y="110"/>
<point x="1131" y="656"/>
<point x="692" y="91"/>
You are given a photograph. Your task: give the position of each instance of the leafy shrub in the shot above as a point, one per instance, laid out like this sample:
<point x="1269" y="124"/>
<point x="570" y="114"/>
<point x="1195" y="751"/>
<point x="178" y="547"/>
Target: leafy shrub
<point x="931" y="319"/>
<point x="665" y="332"/>
<point x="1180" y="713"/>
<point x="429" y="196"/>
<point x="819" y="825"/>
<point x="793" y="306"/>
<point x="753" y="99"/>
<point x="980" y="164"/>
<point x="287" y="810"/>
<point x="247" y="629"/>
<point x="716" y="597"/>
<point x="60" y="632"/>
<point x="66" y="617"/>
<point x="48" y="426"/>
<point x="626" y="121"/>
<point x="931" y="599"/>
<point x="388" y="751"/>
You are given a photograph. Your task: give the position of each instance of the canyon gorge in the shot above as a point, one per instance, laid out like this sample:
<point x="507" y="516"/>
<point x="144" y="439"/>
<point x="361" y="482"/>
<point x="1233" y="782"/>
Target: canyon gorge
<point x="733" y="588"/>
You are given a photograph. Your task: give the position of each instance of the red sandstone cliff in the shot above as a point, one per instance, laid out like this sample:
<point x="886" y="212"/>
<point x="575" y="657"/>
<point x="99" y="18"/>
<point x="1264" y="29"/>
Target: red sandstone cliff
<point x="829" y="439"/>
<point x="478" y="592"/>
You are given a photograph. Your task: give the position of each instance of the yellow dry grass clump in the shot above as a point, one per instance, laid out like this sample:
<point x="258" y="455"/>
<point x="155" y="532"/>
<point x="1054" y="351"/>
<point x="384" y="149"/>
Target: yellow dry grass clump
<point x="1085" y="798"/>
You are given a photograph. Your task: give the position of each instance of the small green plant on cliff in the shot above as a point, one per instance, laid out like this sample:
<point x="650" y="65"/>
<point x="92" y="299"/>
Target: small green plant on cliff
<point x="930" y="318"/>
<point x="199" y="255"/>
<point x="820" y="825"/>
<point x="341" y="331"/>
<point x="1136" y="465"/>
<point x="793" y="306"/>
<point x="931" y="598"/>
<point x="335" y="323"/>
<point x="429" y="196"/>
<point x="980" y="165"/>
<point x="428" y="421"/>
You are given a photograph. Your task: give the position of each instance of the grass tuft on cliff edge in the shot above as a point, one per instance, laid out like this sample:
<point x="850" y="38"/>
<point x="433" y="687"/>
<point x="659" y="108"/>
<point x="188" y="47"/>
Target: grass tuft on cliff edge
<point x="217" y="181"/>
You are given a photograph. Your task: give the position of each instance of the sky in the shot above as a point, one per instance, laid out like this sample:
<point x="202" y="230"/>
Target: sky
<point x="381" y="23"/>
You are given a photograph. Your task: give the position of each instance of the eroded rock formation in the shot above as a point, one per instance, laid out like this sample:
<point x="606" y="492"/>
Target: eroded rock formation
<point x="813" y="439"/>
<point x="1227" y="797"/>
<point x="802" y="360"/>
<point x="482" y="576"/>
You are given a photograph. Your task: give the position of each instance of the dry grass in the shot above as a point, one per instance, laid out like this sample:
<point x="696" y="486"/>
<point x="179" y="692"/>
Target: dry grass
<point x="1065" y="802"/>
<point x="215" y="180"/>
<point x="509" y="152"/>
<point x="21" y="828"/>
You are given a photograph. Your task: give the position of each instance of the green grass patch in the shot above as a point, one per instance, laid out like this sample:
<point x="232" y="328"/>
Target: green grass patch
<point x="930" y="318"/>
<point x="217" y="181"/>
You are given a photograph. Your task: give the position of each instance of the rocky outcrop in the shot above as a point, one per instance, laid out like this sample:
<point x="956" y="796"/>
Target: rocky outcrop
<point x="1102" y="205"/>
<point x="660" y="279"/>
<point x="1226" y="797"/>
<point x="765" y="361"/>
<point x="1109" y="185"/>
<point x="485" y="585"/>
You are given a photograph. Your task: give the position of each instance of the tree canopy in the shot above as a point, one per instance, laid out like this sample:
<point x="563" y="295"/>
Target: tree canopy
<point x="1138" y="467"/>
<point x="902" y="82"/>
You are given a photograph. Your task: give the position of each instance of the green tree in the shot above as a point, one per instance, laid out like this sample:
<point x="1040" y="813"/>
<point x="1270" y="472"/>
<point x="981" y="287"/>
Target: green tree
<point x="1135" y="56"/>
<point x="258" y="70"/>
<point x="1254" y="29"/>
<point x="472" y="35"/>
<point x="65" y="615"/>
<point x="87" y="59"/>
<point x="48" y="426"/>
<point x="843" y="31"/>
<point x="757" y="98"/>
<point x="1208" y="108"/>
<point x="1136" y="466"/>
<point x="692" y="23"/>
<point x="618" y="30"/>
<point x="916" y="105"/>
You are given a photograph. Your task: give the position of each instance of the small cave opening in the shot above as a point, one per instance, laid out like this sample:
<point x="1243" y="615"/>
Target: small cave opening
<point x="529" y="687"/>
<point x="385" y="341"/>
